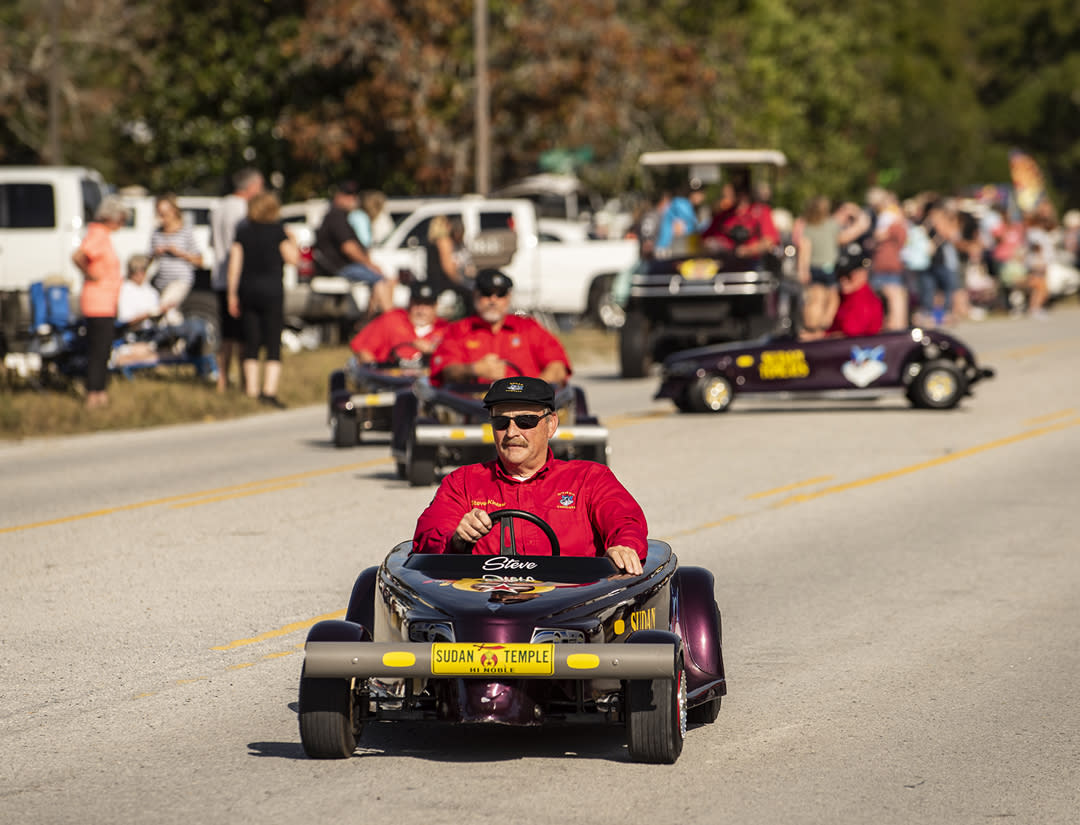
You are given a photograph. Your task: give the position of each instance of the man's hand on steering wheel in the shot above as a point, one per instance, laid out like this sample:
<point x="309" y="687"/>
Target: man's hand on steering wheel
<point x="625" y="558"/>
<point x="474" y="525"/>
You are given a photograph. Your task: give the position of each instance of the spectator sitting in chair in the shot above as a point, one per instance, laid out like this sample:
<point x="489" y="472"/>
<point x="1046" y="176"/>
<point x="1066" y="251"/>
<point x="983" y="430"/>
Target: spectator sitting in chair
<point x="860" y="311"/>
<point x="405" y="334"/>
<point x="139" y="303"/>
<point x="338" y="250"/>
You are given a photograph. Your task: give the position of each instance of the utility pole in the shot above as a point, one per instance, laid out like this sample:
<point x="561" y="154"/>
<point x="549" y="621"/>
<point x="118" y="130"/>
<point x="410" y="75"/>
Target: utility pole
<point x="483" y="123"/>
<point x="55" y="156"/>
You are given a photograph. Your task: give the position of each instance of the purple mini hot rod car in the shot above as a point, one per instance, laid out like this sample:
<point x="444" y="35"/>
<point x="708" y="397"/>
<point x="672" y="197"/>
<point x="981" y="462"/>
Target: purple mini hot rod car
<point x="933" y="369"/>
<point x="518" y="640"/>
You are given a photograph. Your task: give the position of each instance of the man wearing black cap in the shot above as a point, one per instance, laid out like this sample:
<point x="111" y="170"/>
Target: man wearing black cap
<point x="338" y="250"/>
<point x="405" y="334"/>
<point x="494" y="344"/>
<point x="860" y="311"/>
<point x="586" y="506"/>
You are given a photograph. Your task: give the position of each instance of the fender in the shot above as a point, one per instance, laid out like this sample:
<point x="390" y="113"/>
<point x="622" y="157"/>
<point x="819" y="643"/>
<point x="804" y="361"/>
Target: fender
<point x="699" y="623"/>
<point x="336" y="630"/>
<point x="362" y="601"/>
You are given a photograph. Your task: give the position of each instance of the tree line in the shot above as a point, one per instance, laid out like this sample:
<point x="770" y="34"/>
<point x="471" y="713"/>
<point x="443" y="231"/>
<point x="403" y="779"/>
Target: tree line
<point x="175" y="94"/>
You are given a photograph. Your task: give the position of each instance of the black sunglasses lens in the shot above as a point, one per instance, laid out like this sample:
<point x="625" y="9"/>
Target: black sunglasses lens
<point x="494" y="293"/>
<point x="524" y="422"/>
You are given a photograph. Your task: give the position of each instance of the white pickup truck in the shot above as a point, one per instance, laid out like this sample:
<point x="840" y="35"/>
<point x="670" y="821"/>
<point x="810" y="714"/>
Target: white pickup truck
<point x="556" y="269"/>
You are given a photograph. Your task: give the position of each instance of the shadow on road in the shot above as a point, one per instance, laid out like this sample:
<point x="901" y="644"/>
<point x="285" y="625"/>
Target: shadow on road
<point x="465" y="744"/>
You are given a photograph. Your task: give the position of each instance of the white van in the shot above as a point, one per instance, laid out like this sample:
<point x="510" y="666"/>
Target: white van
<point x="44" y="211"/>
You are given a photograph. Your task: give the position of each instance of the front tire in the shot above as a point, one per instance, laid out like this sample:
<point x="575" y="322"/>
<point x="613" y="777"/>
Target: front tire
<point x="939" y="386"/>
<point x="656" y="718"/>
<point x="710" y="393"/>
<point x="327" y="727"/>
<point x="344" y="429"/>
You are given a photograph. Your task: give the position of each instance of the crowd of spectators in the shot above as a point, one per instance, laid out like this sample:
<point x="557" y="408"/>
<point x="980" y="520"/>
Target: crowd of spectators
<point x="936" y="260"/>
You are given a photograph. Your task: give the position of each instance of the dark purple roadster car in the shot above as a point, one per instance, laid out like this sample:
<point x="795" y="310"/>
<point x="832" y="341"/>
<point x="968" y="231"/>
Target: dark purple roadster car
<point x="933" y="369"/>
<point x="518" y="640"/>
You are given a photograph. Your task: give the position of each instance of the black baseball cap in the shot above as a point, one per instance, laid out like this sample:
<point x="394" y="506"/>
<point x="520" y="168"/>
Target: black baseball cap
<point x="422" y="293"/>
<point x="347" y="187"/>
<point x="530" y="390"/>
<point x="492" y="280"/>
<point x="852" y="256"/>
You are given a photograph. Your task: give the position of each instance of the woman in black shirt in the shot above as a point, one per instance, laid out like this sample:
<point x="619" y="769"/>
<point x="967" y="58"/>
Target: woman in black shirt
<point x="256" y="294"/>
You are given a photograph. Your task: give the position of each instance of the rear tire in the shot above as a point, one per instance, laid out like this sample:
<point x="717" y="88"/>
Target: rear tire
<point x="419" y="462"/>
<point x="327" y="729"/>
<point x="344" y="429"/>
<point x="656" y="718"/>
<point x="635" y="348"/>
<point x="704" y="714"/>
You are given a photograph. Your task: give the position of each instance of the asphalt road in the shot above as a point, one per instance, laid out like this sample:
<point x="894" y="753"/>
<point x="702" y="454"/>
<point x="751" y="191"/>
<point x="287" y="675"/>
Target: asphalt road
<point x="899" y="590"/>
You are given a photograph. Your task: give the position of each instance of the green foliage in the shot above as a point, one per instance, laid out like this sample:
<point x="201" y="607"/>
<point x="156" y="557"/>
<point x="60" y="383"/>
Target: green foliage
<point x="917" y="94"/>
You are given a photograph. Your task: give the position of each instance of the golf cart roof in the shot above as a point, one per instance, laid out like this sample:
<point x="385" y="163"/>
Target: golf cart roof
<point x="705" y="157"/>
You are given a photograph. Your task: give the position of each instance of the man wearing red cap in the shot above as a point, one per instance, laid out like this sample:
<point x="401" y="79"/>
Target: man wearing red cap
<point x="583" y="502"/>
<point x="493" y="343"/>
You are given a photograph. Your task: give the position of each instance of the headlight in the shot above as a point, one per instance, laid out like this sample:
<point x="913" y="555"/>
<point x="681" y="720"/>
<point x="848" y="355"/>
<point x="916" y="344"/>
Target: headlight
<point x="431" y="632"/>
<point x="557" y="635"/>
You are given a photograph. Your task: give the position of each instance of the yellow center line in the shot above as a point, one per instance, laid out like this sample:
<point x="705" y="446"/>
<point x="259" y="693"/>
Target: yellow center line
<point x="281" y="631"/>
<point x="295" y="477"/>
<point x="925" y="465"/>
<point x="256" y="492"/>
<point x="629" y="419"/>
<point x="1035" y="349"/>
<point x="809" y="482"/>
<point x="1042" y="419"/>
<point x="797" y="499"/>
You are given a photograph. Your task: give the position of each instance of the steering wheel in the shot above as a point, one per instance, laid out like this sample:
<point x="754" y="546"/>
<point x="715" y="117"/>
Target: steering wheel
<point x="506" y="535"/>
<point x="397" y="359"/>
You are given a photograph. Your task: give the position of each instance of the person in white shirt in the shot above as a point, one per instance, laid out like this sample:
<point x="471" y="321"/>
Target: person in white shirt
<point x="139" y="302"/>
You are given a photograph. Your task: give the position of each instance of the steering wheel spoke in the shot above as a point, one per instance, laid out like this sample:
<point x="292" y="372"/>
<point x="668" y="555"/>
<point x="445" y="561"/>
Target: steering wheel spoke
<point x="506" y="536"/>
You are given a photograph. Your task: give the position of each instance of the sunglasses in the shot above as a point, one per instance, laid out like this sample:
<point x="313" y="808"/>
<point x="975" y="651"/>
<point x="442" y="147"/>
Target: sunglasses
<point x="493" y="293"/>
<point x="524" y="422"/>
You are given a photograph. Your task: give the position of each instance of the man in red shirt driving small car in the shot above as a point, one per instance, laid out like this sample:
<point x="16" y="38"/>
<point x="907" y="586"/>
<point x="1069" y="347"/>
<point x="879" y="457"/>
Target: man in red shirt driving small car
<point x="494" y="343"/>
<point x="586" y="506"/>
<point x="404" y="333"/>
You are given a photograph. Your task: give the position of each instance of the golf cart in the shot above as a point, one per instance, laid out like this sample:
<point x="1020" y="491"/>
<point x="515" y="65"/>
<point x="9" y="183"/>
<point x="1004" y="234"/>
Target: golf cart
<point x="694" y="292"/>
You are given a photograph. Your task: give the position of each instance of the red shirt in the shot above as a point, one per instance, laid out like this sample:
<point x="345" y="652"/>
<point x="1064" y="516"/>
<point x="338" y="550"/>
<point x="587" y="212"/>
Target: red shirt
<point x="391" y="334"/>
<point x="860" y="313"/>
<point x="584" y="503"/>
<point x="521" y="341"/>
<point x="101" y="288"/>
<point x="755" y="218"/>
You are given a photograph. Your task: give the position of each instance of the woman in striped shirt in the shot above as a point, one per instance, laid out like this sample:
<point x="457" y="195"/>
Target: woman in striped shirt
<point x="173" y="247"/>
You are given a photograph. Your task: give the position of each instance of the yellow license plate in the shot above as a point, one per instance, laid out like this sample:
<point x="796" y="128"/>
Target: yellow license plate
<point x="476" y="659"/>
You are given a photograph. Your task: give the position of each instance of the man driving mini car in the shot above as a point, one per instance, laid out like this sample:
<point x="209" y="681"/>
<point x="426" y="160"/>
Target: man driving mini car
<point x="586" y="506"/>
<point x="494" y="343"/>
<point x="402" y="333"/>
<point x="860" y="311"/>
